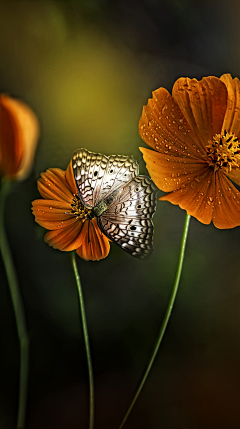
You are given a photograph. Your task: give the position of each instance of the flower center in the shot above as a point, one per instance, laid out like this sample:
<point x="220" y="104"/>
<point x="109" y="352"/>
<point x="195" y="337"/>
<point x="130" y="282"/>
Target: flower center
<point x="78" y="209"/>
<point x="224" y="151"/>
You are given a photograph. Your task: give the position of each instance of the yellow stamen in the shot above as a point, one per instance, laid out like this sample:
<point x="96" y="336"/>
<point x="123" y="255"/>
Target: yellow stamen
<point x="224" y="151"/>
<point x="78" y="209"/>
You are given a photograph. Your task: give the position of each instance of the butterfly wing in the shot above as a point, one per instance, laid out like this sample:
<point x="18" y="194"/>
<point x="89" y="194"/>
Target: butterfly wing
<point x="98" y="176"/>
<point x="128" y="221"/>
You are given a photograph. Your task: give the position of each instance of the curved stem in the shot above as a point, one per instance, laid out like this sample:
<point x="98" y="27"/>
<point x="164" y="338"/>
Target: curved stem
<point x="86" y="340"/>
<point x="18" y="310"/>
<point x="165" y="320"/>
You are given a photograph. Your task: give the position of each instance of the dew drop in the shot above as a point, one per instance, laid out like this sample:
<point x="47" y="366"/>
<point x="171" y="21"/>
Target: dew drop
<point x="164" y="108"/>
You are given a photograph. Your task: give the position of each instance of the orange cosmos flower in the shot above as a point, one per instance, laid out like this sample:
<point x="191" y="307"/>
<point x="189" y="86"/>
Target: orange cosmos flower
<point x="19" y="132"/>
<point x="62" y="212"/>
<point x="196" y="137"/>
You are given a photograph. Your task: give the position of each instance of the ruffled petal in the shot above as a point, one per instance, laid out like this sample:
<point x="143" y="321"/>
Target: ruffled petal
<point x="203" y="104"/>
<point x="66" y="239"/>
<point x="52" y="214"/>
<point x="164" y="127"/>
<point x="196" y="197"/>
<point x="95" y="245"/>
<point x="226" y="213"/>
<point x="231" y="121"/>
<point x="53" y="186"/>
<point x="70" y="179"/>
<point x="170" y="173"/>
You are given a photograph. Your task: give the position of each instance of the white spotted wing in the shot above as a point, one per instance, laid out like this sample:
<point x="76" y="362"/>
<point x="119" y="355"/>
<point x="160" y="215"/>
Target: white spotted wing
<point x="128" y="218"/>
<point x="97" y="176"/>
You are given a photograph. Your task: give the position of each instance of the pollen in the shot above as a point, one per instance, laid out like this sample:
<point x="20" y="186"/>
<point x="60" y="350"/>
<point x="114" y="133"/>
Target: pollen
<point x="78" y="209"/>
<point x="224" y="152"/>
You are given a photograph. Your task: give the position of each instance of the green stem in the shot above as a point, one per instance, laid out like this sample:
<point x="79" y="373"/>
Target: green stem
<point x="86" y="340"/>
<point x="165" y="320"/>
<point x="18" y="310"/>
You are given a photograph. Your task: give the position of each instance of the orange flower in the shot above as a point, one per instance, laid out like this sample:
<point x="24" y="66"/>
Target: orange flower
<point x="19" y="132"/>
<point x="62" y="212"/>
<point x="196" y="137"/>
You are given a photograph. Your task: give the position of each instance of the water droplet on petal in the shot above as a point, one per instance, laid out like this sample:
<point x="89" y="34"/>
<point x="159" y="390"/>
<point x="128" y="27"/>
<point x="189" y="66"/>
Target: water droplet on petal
<point x="164" y="108"/>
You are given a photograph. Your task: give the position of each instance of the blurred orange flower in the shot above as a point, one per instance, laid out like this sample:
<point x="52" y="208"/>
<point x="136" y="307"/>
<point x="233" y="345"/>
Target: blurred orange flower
<point x="19" y="132"/>
<point x="196" y="137"/>
<point x="62" y="212"/>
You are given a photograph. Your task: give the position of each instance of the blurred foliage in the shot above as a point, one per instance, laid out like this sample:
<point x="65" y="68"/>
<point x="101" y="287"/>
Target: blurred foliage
<point x="87" y="68"/>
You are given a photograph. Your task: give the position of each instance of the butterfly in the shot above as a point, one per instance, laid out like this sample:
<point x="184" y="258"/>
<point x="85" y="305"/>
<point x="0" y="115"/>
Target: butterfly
<point x="122" y="201"/>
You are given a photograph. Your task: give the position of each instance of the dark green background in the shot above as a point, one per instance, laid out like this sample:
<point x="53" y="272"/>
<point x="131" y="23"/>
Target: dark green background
<point x="87" y="68"/>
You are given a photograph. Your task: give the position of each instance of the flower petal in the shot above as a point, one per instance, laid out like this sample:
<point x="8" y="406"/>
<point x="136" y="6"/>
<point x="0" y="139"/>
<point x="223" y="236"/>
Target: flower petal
<point x="66" y="239"/>
<point x="234" y="175"/>
<point x="196" y="197"/>
<point x="52" y="185"/>
<point x="231" y="121"/>
<point x="95" y="245"/>
<point x="70" y="179"/>
<point x="19" y="132"/>
<point x="164" y="127"/>
<point x="52" y="214"/>
<point x="169" y="172"/>
<point x="11" y="140"/>
<point x="226" y="212"/>
<point x="203" y="104"/>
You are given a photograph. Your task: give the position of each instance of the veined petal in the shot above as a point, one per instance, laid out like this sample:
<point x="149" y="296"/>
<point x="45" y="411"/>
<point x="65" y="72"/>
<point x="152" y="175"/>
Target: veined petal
<point x="164" y="127"/>
<point x="170" y="173"/>
<point x="53" y="186"/>
<point x="52" y="214"/>
<point x="95" y="245"/>
<point x="196" y="197"/>
<point x="231" y="121"/>
<point x="66" y="239"/>
<point x="234" y="175"/>
<point x="203" y="104"/>
<point x="226" y="212"/>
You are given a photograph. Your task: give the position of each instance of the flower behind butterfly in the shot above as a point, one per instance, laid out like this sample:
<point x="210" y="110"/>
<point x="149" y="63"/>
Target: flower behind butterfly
<point x="195" y="134"/>
<point x="62" y="213"/>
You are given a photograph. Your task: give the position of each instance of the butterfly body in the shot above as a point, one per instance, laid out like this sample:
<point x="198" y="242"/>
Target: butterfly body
<point x="102" y="206"/>
<point x="122" y="201"/>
